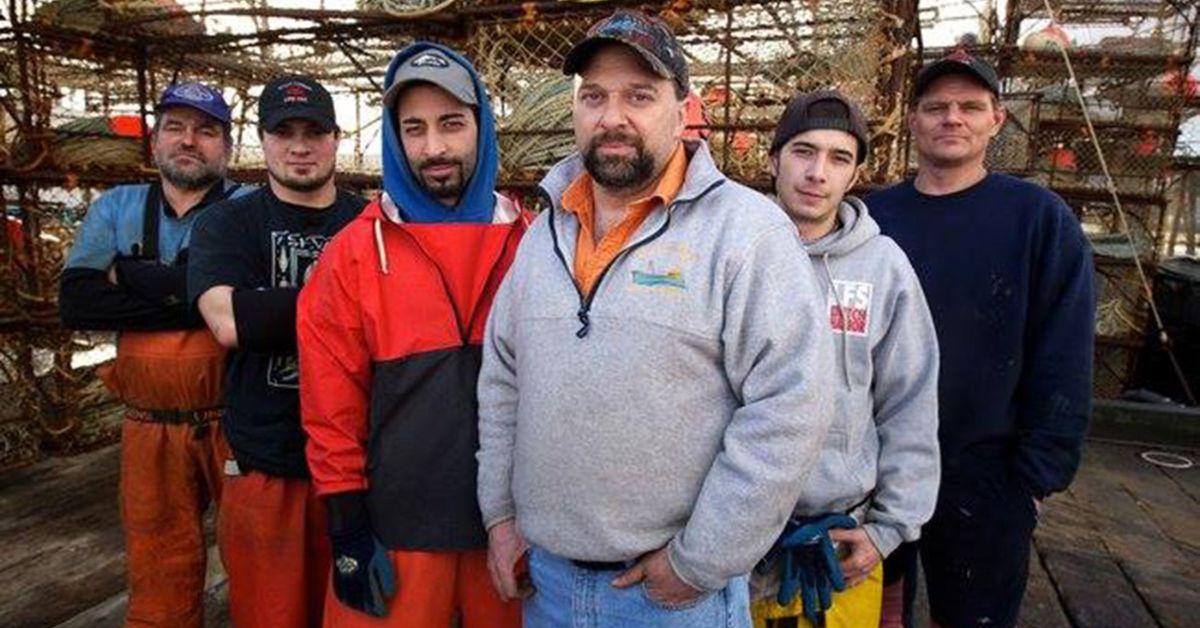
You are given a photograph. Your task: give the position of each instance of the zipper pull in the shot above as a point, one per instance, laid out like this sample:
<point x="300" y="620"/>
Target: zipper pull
<point x="587" y="324"/>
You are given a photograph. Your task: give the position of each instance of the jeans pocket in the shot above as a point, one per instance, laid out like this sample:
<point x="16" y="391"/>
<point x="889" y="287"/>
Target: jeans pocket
<point x="690" y="604"/>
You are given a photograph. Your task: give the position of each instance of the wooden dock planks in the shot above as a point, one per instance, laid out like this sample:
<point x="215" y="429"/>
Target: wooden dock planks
<point x="1118" y="546"/>
<point x="1118" y="549"/>
<point x="1089" y="582"/>
<point x="63" y="549"/>
<point x="1041" y="607"/>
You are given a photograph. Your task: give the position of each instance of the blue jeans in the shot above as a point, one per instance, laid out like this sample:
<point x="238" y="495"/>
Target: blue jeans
<point x="572" y="597"/>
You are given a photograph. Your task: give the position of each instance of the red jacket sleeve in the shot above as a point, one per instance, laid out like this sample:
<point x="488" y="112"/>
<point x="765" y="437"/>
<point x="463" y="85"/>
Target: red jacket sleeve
<point x="335" y="371"/>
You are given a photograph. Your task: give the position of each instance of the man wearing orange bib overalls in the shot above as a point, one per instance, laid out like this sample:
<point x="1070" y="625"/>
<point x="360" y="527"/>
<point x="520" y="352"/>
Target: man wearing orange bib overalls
<point x="127" y="272"/>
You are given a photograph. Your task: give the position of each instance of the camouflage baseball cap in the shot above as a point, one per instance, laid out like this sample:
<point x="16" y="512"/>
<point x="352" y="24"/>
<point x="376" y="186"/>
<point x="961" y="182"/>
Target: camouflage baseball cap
<point x="650" y="37"/>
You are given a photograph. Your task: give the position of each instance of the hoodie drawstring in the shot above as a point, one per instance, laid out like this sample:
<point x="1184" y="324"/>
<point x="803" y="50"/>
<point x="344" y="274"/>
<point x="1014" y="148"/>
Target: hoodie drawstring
<point x="842" y="315"/>
<point x="383" y="261"/>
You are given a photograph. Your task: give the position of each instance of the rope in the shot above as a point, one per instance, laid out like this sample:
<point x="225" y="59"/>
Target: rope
<point x="1111" y="318"/>
<point x="1167" y="459"/>
<point x="406" y="8"/>
<point x="1163" y="337"/>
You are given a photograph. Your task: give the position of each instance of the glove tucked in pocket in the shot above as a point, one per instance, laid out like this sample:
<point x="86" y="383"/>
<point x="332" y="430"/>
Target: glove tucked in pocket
<point x="809" y="564"/>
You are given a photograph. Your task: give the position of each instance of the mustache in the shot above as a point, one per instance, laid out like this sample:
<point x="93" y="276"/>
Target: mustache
<point x="187" y="151"/>
<point x="438" y="161"/>
<point x="616" y="136"/>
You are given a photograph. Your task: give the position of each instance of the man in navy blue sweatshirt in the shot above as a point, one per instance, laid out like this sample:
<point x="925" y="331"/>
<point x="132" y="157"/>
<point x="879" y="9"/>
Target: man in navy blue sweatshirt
<point x="1007" y="272"/>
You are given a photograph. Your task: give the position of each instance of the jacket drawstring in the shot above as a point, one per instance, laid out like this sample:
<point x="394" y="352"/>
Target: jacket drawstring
<point x="383" y="261"/>
<point x="837" y="297"/>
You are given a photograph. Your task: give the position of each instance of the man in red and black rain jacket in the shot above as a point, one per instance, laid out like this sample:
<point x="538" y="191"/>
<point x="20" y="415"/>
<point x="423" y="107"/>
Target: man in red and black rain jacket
<point x="390" y="328"/>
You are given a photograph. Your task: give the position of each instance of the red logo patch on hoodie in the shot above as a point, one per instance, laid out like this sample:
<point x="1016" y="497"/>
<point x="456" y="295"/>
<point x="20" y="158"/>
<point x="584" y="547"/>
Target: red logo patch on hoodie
<point x="850" y="307"/>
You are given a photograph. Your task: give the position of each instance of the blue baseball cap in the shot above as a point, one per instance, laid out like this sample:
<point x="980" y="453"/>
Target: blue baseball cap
<point x="200" y="97"/>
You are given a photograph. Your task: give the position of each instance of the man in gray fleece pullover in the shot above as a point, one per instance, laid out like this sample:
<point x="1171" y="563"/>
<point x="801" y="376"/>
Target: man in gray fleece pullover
<point x="880" y="463"/>
<point x="656" y="425"/>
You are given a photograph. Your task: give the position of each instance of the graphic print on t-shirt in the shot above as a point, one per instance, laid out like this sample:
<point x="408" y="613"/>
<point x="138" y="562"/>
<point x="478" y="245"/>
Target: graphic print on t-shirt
<point x="853" y="317"/>
<point x="292" y="258"/>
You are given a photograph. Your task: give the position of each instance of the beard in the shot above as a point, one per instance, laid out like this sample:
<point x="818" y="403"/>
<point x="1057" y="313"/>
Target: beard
<point x="197" y="177"/>
<point x="447" y="189"/>
<point x="616" y="172"/>
<point x="309" y="183"/>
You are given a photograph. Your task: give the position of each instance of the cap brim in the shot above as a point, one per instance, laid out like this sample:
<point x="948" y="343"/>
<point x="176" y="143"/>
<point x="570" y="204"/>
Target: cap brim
<point x="181" y="103"/>
<point x="578" y="56"/>
<point x="947" y="68"/>
<point x="272" y="120"/>
<point x="393" y="93"/>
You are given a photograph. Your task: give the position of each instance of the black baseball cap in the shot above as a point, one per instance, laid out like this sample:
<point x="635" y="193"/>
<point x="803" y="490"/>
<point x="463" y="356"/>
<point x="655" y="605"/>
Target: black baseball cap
<point x="650" y="37"/>
<point x="958" y="61"/>
<point x="824" y="109"/>
<point x="295" y="96"/>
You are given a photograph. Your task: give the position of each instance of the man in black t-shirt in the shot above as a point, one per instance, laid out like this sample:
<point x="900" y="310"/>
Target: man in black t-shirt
<point x="250" y="257"/>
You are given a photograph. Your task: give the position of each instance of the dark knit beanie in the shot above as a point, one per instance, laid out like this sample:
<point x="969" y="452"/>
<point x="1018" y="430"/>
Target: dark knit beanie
<point x="826" y="109"/>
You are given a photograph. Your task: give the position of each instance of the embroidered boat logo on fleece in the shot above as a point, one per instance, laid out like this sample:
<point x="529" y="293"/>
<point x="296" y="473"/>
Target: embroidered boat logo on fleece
<point x="671" y="278"/>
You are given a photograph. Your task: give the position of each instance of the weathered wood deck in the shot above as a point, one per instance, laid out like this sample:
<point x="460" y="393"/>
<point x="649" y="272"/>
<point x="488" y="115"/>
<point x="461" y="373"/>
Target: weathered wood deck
<point x="62" y="559"/>
<point x="1121" y="548"/>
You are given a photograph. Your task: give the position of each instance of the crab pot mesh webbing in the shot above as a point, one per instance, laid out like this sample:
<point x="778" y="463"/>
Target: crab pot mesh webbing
<point x="45" y="404"/>
<point x="1131" y="60"/>
<point x="746" y="61"/>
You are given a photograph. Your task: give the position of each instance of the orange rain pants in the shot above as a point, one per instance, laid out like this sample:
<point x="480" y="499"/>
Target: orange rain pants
<point x="171" y="456"/>
<point x="275" y="548"/>
<point x="431" y="588"/>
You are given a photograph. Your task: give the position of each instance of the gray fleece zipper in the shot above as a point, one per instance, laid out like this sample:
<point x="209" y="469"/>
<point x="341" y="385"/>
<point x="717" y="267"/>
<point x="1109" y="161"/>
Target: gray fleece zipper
<point x="585" y="301"/>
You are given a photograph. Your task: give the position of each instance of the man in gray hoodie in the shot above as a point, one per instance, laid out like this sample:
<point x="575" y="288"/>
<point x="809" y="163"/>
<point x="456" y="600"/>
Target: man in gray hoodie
<point x="654" y="377"/>
<point x="880" y="463"/>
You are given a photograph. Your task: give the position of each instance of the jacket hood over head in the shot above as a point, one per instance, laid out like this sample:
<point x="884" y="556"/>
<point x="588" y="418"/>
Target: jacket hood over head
<point x="405" y="190"/>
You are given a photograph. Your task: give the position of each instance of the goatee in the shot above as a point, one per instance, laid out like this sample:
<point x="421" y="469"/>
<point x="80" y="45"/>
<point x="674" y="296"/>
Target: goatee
<point x="198" y="179"/>
<point x="616" y="172"/>
<point x="306" y="184"/>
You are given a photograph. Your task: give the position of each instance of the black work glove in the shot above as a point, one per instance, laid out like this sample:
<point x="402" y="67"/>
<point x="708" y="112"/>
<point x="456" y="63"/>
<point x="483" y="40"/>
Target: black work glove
<point x="363" y="578"/>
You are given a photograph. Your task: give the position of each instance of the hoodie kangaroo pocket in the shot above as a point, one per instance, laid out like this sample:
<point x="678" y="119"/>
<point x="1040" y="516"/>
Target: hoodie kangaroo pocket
<point x="862" y="458"/>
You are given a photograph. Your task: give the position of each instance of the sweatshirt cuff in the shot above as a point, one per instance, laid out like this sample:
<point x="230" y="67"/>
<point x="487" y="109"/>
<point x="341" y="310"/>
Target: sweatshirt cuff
<point x="885" y="538"/>
<point x="498" y="514"/>
<point x="693" y="577"/>
<point x="488" y="525"/>
<point x="1031" y="486"/>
